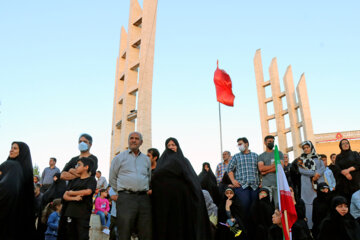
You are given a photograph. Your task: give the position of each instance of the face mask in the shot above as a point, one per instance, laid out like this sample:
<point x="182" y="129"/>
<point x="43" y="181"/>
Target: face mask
<point x="242" y="147"/>
<point x="270" y="145"/>
<point x="83" y="147"/>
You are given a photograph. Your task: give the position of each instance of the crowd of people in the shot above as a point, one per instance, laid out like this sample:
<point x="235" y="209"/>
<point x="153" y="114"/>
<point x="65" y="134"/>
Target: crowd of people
<point x="153" y="196"/>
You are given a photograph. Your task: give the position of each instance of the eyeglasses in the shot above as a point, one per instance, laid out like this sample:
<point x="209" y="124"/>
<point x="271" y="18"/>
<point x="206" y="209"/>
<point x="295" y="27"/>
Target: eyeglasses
<point x="78" y="165"/>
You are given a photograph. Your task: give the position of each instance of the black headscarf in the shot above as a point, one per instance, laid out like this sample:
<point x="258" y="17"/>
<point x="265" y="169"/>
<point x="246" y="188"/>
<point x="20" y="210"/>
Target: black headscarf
<point x="336" y="226"/>
<point x="321" y="207"/>
<point x="261" y="215"/>
<point x="17" y="196"/>
<point x="237" y="212"/>
<point x="207" y="175"/>
<point x="179" y="210"/>
<point x="208" y="182"/>
<point x="262" y="210"/>
<point x="344" y="160"/>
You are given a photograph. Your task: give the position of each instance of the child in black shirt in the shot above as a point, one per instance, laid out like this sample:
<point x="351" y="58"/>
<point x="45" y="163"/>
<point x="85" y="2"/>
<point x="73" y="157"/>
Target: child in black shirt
<point x="77" y="203"/>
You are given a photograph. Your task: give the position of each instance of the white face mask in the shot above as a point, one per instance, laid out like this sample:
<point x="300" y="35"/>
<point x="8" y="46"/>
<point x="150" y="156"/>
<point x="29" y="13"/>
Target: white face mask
<point x="242" y="147"/>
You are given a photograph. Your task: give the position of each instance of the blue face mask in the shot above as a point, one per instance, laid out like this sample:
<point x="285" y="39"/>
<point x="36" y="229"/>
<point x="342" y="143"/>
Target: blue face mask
<point x="83" y="147"/>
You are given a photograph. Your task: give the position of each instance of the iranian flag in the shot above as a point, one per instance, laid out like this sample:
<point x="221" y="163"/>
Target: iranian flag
<point x="286" y="202"/>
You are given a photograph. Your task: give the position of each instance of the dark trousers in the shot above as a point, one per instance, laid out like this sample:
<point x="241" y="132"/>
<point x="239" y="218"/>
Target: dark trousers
<point x="133" y="216"/>
<point x="247" y="196"/>
<point x="113" y="229"/>
<point x="73" y="228"/>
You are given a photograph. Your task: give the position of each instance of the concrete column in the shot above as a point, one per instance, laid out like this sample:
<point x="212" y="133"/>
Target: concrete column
<point x="118" y="94"/>
<point x="146" y="71"/>
<point x="260" y="85"/>
<point x="305" y="109"/>
<point x="292" y="111"/>
<point x="278" y="110"/>
<point x="133" y="86"/>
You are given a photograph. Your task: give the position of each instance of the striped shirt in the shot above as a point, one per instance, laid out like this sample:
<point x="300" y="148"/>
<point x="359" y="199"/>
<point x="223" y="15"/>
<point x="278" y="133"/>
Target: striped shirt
<point x="220" y="170"/>
<point x="245" y="169"/>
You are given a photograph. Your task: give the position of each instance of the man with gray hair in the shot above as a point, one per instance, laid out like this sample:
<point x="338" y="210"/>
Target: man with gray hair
<point x="222" y="167"/>
<point x="130" y="174"/>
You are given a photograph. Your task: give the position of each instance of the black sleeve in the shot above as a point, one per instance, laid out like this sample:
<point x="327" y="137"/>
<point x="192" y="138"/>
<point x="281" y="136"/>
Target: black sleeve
<point x="91" y="184"/>
<point x="357" y="161"/>
<point x="95" y="167"/>
<point x="71" y="164"/>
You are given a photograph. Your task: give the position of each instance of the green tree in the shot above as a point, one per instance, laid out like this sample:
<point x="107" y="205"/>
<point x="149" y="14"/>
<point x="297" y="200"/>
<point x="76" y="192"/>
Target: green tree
<point x="36" y="170"/>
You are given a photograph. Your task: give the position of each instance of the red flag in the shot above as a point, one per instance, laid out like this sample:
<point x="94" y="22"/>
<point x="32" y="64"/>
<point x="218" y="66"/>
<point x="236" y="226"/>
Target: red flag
<point x="286" y="204"/>
<point x="223" y="87"/>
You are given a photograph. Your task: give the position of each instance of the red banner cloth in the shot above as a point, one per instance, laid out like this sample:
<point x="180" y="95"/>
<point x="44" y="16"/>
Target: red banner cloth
<point x="223" y="87"/>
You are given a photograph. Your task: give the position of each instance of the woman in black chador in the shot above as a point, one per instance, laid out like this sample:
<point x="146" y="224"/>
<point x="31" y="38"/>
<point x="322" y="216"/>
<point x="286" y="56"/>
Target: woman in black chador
<point x="339" y="224"/>
<point x="347" y="165"/>
<point x="179" y="211"/>
<point x="321" y="207"/>
<point x="208" y="182"/>
<point x="17" y="216"/>
<point x="261" y="215"/>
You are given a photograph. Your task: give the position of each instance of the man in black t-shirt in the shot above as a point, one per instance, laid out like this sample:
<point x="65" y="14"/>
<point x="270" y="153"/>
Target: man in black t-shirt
<point x="85" y="143"/>
<point x="77" y="203"/>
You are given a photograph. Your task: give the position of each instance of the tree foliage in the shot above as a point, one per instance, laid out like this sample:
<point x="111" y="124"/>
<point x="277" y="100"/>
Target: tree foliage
<point x="36" y="170"/>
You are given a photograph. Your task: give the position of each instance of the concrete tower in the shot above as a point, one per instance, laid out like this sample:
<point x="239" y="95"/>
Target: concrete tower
<point x="292" y="113"/>
<point x="133" y="78"/>
<point x="279" y="97"/>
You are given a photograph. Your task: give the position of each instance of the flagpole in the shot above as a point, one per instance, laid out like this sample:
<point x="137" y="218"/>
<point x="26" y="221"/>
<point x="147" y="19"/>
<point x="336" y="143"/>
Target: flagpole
<point x="221" y="145"/>
<point x="287" y="223"/>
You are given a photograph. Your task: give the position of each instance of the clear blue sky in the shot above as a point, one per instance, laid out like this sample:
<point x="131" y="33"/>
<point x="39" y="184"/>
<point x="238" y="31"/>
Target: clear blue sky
<point x="57" y="70"/>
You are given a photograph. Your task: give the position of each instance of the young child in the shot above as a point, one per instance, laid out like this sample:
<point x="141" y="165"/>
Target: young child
<point x="51" y="217"/>
<point x="230" y="216"/>
<point x="102" y="209"/>
<point x="74" y="222"/>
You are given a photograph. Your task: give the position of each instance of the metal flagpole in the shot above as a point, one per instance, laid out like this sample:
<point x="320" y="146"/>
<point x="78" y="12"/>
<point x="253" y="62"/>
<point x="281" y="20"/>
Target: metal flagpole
<point x="221" y="145"/>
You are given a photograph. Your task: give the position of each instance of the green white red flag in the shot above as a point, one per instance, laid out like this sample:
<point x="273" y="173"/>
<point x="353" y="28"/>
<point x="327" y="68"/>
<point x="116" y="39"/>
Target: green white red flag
<point x="286" y="202"/>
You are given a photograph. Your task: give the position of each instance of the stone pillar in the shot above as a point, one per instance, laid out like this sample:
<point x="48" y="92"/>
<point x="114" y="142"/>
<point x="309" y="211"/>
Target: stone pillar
<point x="278" y="109"/>
<point x="292" y="106"/>
<point x="292" y="111"/>
<point x="146" y="71"/>
<point x="305" y="110"/>
<point x="261" y="85"/>
<point x="133" y="83"/>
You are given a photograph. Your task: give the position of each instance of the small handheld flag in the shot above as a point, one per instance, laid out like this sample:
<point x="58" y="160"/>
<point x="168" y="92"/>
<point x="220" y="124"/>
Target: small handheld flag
<point x="286" y="202"/>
